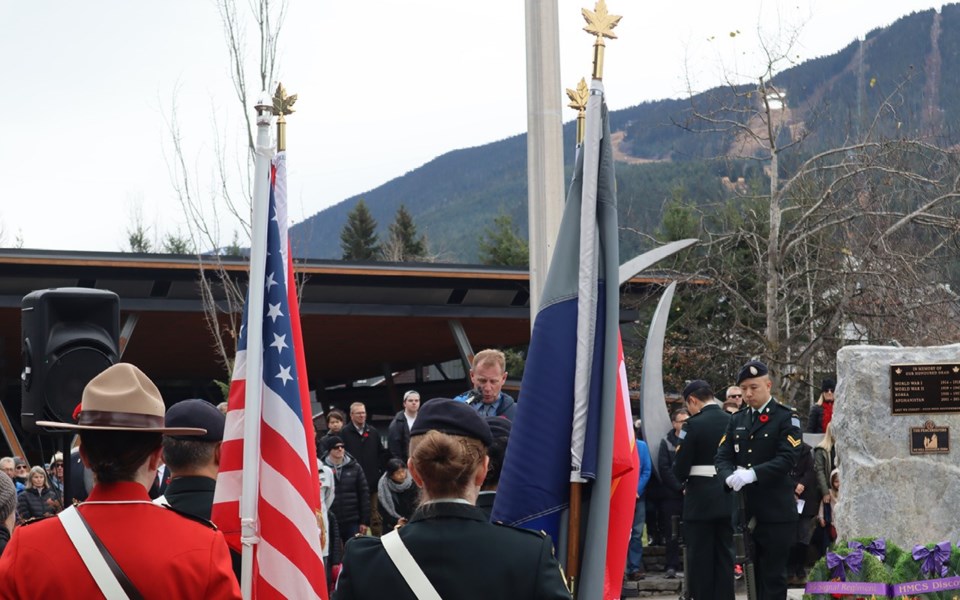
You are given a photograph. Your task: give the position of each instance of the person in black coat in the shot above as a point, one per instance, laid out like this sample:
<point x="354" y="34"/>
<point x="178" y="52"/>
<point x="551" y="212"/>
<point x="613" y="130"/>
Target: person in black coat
<point x="808" y="492"/>
<point x="756" y="454"/>
<point x="366" y="447"/>
<point x="396" y="494"/>
<point x="351" y="501"/>
<point x="707" y="507"/>
<point x="398" y="434"/>
<point x="671" y="492"/>
<point x="38" y="500"/>
<point x="193" y="462"/>
<point x="460" y="553"/>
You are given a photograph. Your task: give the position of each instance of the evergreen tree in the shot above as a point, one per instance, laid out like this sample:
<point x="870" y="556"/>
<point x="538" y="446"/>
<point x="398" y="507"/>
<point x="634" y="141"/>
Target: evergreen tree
<point x="358" y="239"/>
<point x="177" y="243"/>
<point x="501" y="245"/>
<point x="403" y="244"/>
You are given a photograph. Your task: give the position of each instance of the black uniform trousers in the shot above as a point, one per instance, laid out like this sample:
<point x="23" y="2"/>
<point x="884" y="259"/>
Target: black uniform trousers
<point x="709" y="559"/>
<point x="670" y="508"/>
<point x="772" y="543"/>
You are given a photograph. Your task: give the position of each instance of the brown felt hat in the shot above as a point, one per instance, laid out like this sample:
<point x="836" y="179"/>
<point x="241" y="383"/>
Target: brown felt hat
<point x="122" y="398"/>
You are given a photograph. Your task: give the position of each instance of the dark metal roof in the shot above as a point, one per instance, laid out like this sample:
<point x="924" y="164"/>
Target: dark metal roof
<point x="359" y="320"/>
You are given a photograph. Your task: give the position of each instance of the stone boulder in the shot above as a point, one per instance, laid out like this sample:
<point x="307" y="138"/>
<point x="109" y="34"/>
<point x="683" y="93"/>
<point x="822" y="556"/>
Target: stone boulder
<point x="884" y="490"/>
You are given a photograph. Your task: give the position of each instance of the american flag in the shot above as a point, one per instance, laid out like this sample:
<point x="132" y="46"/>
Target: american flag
<point x="287" y="559"/>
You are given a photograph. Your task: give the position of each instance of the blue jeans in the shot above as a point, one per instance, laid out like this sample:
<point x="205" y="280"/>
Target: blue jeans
<point x="635" y="550"/>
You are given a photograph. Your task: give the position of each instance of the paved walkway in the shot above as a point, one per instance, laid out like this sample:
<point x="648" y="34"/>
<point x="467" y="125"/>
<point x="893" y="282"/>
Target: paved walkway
<point x="657" y="587"/>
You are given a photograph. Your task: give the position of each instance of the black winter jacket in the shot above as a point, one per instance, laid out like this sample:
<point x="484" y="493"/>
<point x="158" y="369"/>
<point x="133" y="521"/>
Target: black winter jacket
<point x="351" y="502"/>
<point x="398" y="437"/>
<point x="36" y="504"/>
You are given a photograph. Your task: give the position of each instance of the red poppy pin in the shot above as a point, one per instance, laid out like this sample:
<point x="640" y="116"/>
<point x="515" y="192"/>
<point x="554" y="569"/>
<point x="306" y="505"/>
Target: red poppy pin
<point x="365" y="434"/>
<point x="76" y="412"/>
<point x="764" y="418"/>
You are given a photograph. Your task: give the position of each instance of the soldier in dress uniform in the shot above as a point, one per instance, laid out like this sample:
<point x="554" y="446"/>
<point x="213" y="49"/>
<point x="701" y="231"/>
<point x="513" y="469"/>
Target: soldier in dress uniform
<point x="757" y="452"/>
<point x="707" y="506"/>
<point x="121" y="422"/>
<point x="448" y="545"/>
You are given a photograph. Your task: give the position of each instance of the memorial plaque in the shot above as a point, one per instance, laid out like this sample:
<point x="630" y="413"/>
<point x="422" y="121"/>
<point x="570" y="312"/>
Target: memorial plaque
<point x="925" y="388"/>
<point x="929" y="439"/>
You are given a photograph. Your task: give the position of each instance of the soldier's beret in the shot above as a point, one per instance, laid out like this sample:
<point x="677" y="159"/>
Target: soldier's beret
<point x="196" y="413"/>
<point x="499" y="426"/>
<point x="697" y="385"/>
<point x="752" y="369"/>
<point x="453" y="418"/>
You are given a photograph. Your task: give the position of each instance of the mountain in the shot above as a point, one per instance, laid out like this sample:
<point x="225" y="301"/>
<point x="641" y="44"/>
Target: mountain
<point x="665" y="153"/>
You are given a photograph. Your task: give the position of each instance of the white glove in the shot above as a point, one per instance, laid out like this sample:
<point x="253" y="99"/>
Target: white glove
<point x="748" y="476"/>
<point x="740" y="478"/>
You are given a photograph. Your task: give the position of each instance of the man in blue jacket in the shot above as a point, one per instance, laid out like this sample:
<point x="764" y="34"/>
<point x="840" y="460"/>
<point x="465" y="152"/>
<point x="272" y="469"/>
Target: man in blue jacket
<point x="635" y="570"/>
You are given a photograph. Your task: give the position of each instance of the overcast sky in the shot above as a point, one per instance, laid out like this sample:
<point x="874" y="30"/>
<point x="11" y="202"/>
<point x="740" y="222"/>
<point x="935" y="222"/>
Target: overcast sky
<point x="384" y="86"/>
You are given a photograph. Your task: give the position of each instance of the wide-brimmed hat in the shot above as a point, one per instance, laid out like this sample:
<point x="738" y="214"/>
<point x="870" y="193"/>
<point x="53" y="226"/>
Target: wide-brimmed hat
<point x="122" y="398"/>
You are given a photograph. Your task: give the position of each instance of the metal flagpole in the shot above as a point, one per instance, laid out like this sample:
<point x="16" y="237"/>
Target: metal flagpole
<point x="254" y="391"/>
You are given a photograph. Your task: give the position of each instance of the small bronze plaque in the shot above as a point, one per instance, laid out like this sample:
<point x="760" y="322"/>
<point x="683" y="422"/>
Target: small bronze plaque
<point x="929" y="439"/>
<point x="930" y="388"/>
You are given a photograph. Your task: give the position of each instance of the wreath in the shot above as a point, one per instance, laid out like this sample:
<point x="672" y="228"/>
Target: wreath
<point x="926" y="572"/>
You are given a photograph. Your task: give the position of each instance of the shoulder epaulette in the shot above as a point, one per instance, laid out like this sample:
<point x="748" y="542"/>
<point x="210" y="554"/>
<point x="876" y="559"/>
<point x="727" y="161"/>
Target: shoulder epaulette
<point x="190" y="516"/>
<point x="34" y="520"/>
<point x="540" y="534"/>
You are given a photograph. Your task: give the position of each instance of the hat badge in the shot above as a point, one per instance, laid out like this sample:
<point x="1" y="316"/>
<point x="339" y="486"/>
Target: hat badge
<point x="753" y="370"/>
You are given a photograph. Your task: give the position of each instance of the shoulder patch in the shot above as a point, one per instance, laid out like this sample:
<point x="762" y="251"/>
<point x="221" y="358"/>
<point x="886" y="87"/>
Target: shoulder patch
<point x="793" y="441"/>
<point x="795" y="421"/>
<point x="683" y="434"/>
<point x="192" y="517"/>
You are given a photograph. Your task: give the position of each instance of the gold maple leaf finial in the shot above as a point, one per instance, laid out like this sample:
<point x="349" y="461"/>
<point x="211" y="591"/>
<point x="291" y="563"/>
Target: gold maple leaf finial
<point x="578" y="97"/>
<point x="600" y="22"/>
<point x="282" y="103"/>
<point x="578" y="102"/>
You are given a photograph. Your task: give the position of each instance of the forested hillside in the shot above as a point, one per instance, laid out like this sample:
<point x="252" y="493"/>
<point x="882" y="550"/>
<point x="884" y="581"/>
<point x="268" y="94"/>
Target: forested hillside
<point x="668" y="155"/>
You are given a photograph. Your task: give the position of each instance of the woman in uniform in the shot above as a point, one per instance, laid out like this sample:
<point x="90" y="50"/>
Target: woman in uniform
<point x="448" y="540"/>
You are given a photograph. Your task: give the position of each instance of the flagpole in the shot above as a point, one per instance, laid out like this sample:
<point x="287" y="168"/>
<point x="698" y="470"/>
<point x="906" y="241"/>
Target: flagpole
<point x="254" y="390"/>
<point x="578" y="101"/>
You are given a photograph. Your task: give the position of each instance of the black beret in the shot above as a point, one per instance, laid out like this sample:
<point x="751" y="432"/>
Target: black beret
<point x="828" y="384"/>
<point x="451" y="417"/>
<point x="697" y="385"/>
<point x="752" y="369"/>
<point x="499" y="426"/>
<point x="196" y="413"/>
<point x="331" y="441"/>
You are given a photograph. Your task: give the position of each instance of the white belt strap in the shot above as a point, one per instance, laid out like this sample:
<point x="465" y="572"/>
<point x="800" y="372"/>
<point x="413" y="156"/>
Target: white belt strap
<point x="703" y="470"/>
<point x="92" y="558"/>
<point x="408" y="567"/>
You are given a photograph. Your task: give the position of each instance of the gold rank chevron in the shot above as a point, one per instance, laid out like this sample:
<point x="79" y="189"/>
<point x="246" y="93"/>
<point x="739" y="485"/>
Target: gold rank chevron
<point x="793" y="441"/>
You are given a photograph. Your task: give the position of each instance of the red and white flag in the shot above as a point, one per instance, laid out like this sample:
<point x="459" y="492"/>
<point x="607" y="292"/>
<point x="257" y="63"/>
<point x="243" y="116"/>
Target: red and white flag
<point x="287" y="561"/>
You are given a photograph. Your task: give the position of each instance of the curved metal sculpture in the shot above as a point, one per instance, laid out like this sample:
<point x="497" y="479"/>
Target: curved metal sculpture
<point x="653" y="407"/>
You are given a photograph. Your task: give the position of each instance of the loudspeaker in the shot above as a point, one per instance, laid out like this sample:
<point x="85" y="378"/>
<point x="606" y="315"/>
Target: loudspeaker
<point x="69" y="336"/>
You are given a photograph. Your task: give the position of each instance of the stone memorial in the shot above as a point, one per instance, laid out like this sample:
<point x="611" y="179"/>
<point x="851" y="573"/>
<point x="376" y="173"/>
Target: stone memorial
<point x="885" y="489"/>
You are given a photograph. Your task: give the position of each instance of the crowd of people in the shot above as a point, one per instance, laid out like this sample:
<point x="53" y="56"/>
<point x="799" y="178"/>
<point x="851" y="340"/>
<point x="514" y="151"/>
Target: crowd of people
<point x="728" y="463"/>
<point x="433" y="475"/>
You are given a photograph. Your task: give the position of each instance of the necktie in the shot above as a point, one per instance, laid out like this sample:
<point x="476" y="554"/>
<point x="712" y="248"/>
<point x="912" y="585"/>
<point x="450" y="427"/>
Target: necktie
<point x="753" y="417"/>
